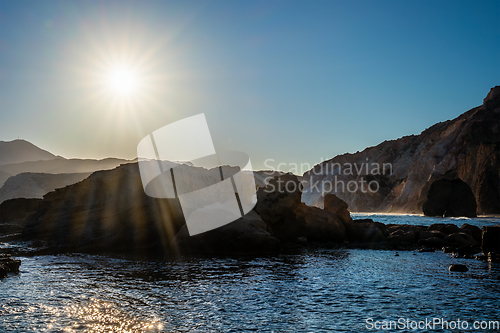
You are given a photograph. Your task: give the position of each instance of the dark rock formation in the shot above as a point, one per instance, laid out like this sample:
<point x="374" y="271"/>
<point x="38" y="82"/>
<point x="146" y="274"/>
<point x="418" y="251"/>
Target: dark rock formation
<point x="246" y="235"/>
<point x="450" y="198"/>
<point x="472" y="230"/>
<point x="444" y="228"/>
<point x="276" y="205"/>
<point x="461" y="239"/>
<point x="8" y="265"/>
<point x="467" y="147"/>
<point x="279" y="206"/>
<point x="108" y="211"/>
<point x="319" y="225"/>
<point x="366" y="231"/>
<point x="338" y="207"/>
<point x="403" y="235"/>
<point x="433" y="242"/>
<point x="491" y="240"/>
<point x="458" y="268"/>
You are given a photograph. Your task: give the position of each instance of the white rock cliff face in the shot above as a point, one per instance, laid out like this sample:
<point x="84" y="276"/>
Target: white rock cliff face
<point x="401" y="171"/>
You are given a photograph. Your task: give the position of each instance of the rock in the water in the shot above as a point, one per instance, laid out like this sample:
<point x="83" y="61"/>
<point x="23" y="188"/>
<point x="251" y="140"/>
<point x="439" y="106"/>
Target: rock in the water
<point x="276" y="204"/>
<point x="446" y="229"/>
<point x="403" y="236"/>
<point x="425" y="234"/>
<point x="472" y="230"/>
<point x="280" y="207"/>
<point x="491" y="240"/>
<point x="450" y="198"/>
<point x="367" y="231"/>
<point x="249" y="234"/>
<point x="461" y="239"/>
<point x="458" y="268"/>
<point x="8" y="265"/>
<point x="433" y="242"/>
<point x="320" y="225"/>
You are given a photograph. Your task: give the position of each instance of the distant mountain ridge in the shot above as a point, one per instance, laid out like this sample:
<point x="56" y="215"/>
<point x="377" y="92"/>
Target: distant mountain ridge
<point x="62" y="165"/>
<point x="41" y="170"/>
<point x="18" y="151"/>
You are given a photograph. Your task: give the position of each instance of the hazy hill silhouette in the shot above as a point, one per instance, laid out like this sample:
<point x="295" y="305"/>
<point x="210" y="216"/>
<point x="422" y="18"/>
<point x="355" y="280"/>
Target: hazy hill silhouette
<point x="18" y="151"/>
<point x="34" y="172"/>
<point x="36" y="185"/>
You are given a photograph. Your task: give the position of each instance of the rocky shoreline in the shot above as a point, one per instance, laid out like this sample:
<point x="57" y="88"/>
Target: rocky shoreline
<point x="280" y="222"/>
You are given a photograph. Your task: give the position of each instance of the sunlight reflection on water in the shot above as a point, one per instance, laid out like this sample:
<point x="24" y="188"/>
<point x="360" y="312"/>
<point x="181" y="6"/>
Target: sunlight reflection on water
<point x="310" y="291"/>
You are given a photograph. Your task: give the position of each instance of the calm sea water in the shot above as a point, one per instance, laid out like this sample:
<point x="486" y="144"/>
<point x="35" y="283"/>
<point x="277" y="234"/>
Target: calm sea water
<point x="426" y="220"/>
<point x="308" y="291"/>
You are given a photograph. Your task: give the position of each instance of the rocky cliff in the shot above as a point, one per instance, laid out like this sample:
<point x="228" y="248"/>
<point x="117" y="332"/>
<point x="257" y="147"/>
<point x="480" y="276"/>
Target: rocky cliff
<point x="396" y="175"/>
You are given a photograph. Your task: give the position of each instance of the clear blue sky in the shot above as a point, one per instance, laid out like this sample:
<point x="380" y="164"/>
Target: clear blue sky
<point x="293" y="81"/>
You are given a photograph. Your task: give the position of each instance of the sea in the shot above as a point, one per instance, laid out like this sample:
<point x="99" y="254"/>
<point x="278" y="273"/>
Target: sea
<point x="325" y="290"/>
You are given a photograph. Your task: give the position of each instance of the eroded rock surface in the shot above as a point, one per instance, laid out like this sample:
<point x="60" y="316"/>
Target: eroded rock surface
<point x="467" y="147"/>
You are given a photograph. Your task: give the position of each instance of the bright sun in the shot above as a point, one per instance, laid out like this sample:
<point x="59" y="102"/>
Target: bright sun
<point x="123" y="81"/>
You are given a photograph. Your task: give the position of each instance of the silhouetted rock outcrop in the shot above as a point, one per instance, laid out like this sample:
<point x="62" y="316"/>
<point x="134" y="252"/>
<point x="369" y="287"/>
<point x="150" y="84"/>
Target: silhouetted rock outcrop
<point x="450" y="198"/>
<point x="279" y="206"/>
<point x="467" y="147"/>
<point x="338" y="207"/>
<point x="472" y="230"/>
<point x="108" y="211"/>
